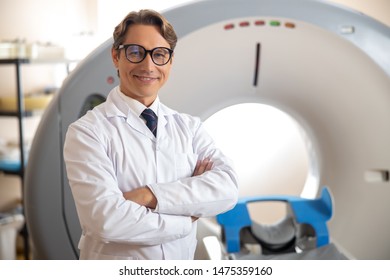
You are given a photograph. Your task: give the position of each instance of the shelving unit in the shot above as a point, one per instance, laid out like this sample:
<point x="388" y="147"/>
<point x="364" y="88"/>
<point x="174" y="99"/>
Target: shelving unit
<point x="20" y="114"/>
<point x="18" y="169"/>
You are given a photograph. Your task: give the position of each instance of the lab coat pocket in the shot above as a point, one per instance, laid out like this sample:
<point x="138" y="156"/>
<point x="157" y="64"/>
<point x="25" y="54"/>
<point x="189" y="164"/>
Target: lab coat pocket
<point x="185" y="164"/>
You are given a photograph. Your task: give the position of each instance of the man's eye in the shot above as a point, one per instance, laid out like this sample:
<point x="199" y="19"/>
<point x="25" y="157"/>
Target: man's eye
<point x="160" y="53"/>
<point x="134" y="53"/>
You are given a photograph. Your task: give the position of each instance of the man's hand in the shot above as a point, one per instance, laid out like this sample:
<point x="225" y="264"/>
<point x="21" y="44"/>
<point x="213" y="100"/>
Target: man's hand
<point x="194" y="218"/>
<point x="143" y="196"/>
<point x="202" y="166"/>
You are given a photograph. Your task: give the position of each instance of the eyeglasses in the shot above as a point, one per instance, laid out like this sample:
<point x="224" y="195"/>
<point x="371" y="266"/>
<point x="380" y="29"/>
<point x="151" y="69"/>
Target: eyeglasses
<point x="136" y="54"/>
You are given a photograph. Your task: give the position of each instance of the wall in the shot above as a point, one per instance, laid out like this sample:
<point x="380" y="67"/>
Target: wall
<point x="378" y="9"/>
<point x="47" y="22"/>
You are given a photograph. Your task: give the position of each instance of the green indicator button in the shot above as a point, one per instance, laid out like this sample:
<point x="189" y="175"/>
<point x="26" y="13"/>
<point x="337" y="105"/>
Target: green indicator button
<point x="274" y="23"/>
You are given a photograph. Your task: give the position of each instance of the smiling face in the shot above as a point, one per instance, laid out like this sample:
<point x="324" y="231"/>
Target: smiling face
<point x="143" y="80"/>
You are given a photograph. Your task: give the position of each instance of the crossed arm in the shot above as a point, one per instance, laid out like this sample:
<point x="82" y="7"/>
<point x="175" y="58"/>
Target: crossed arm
<point x="144" y="196"/>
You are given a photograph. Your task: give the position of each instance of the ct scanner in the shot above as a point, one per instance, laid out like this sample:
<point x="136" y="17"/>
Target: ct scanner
<point x="326" y="66"/>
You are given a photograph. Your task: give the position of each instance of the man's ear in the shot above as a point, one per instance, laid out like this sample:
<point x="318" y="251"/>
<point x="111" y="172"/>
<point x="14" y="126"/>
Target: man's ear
<point x="115" y="57"/>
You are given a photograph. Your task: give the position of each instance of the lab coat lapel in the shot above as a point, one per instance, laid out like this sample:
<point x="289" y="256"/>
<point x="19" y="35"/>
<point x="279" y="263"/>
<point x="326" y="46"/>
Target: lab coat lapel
<point x="116" y="107"/>
<point x="138" y="124"/>
<point x="161" y="130"/>
<point x="164" y="113"/>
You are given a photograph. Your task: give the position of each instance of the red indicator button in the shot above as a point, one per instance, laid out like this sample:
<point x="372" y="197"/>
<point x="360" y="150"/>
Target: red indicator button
<point x="229" y="26"/>
<point x="259" y="22"/>
<point x="110" y="80"/>
<point x="244" y="23"/>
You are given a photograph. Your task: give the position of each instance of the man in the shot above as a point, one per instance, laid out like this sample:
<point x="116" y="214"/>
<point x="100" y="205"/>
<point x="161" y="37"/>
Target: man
<point x="141" y="179"/>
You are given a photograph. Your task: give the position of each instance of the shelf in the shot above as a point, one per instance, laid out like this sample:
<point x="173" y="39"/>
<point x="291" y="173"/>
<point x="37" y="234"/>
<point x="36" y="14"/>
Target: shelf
<point x="15" y="114"/>
<point x="14" y="60"/>
<point x="37" y="61"/>
<point x="15" y="167"/>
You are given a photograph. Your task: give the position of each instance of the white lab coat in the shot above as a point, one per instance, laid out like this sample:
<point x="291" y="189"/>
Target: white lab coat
<point x="110" y="151"/>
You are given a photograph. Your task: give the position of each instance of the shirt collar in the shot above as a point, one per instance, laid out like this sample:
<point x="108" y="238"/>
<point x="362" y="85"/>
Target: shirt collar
<point x="136" y="106"/>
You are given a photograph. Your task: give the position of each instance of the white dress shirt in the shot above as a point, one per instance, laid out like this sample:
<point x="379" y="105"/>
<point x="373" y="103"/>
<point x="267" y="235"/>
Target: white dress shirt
<point x="110" y="150"/>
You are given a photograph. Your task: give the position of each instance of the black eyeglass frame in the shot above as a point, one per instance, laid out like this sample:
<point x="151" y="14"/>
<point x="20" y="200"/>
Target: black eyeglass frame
<point x="125" y="47"/>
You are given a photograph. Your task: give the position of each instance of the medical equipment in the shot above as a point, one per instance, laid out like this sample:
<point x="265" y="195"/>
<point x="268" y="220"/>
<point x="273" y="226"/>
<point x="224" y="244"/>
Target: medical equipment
<point x="302" y="231"/>
<point x="326" y="66"/>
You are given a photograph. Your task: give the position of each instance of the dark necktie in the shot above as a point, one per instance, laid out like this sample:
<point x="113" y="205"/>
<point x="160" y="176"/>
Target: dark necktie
<point x="151" y="120"/>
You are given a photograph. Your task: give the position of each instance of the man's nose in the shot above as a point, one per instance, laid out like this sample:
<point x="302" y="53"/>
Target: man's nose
<point x="148" y="61"/>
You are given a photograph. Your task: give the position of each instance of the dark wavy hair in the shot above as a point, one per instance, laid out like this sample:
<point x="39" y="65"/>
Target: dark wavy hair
<point x="146" y="17"/>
